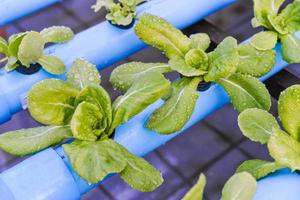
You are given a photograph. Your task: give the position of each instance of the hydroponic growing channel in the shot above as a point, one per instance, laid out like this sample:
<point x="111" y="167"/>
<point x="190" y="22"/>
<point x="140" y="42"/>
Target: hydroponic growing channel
<point x="28" y="178"/>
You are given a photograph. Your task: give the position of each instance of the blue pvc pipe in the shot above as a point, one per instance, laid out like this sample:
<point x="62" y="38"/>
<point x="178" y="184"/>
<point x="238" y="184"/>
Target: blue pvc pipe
<point x="14" y="9"/>
<point x="102" y="45"/>
<point x="140" y="141"/>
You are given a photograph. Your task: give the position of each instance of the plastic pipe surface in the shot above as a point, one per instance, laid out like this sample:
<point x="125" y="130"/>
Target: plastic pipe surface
<point x="14" y="9"/>
<point x="140" y="141"/>
<point x="102" y="45"/>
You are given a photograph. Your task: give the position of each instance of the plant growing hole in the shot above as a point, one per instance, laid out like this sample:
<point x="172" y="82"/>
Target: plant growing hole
<point x="280" y="26"/>
<point x="80" y="109"/>
<point x="121" y="14"/>
<point x="25" y="50"/>
<point x="233" y="66"/>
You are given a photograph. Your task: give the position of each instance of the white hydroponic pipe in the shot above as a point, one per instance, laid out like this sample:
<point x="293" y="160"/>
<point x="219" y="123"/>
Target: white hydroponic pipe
<point x="48" y="175"/>
<point x="102" y="45"/>
<point x="11" y="10"/>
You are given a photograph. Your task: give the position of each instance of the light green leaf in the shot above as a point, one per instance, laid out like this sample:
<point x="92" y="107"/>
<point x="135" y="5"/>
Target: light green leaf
<point x="11" y="64"/>
<point x="265" y="8"/>
<point x="196" y="192"/>
<point x="52" y="64"/>
<point x="102" y="3"/>
<point x="289" y="19"/>
<point x="257" y="124"/>
<point x="159" y="33"/>
<point x="255" y="62"/>
<point x="265" y="40"/>
<point x="140" y="174"/>
<point x="223" y="60"/>
<point x="200" y="41"/>
<point x="14" y="42"/>
<point x="51" y="102"/>
<point x="289" y="110"/>
<point x="85" y="122"/>
<point x="197" y="58"/>
<point x="95" y="160"/>
<point x="241" y="186"/>
<point x="258" y="168"/>
<point x="27" y="141"/>
<point x="141" y="94"/>
<point x="121" y="15"/>
<point x="290" y="48"/>
<point x="284" y="149"/>
<point x="181" y="67"/>
<point x="31" y="48"/>
<point x="57" y="34"/>
<point x="124" y="75"/>
<point x="246" y="92"/>
<point x="98" y="96"/>
<point x="83" y="74"/>
<point x="177" y="110"/>
<point x="3" y="46"/>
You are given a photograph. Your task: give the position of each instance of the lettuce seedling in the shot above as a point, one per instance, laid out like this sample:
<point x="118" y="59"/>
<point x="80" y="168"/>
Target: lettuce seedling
<point x="81" y="109"/>
<point x="121" y="13"/>
<point x="283" y="144"/>
<point x="239" y="186"/>
<point x="26" y="48"/>
<point x="233" y="66"/>
<point x="280" y="26"/>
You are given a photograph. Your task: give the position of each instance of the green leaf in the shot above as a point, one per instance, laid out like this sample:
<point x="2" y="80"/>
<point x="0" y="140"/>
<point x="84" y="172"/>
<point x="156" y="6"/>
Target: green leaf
<point x="98" y="96"/>
<point x="57" y="34"/>
<point x="257" y="124"/>
<point x="265" y="40"/>
<point x="284" y="149"/>
<point x="290" y="48"/>
<point x="95" y="160"/>
<point x="223" y="60"/>
<point x="240" y="186"/>
<point x="246" y="92"/>
<point x="181" y="67"/>
<point x="289" y="110"/>
<point x="85" y="122"/>
<point x="200" y="41"/>
<point x="31" y="48"/>
<point x="51" y="102"/>
<point x="102" y="3"/>
<point x="27" y="141"/>
<point x="83" y="74"/>
<point x="288" y="20"/>
<point x="159" y="33"/>
<point x="3" y="46"/>
<point x="265" y="8"/>
<point x="11" y="64"/>
<point x="14" y="42"/>
<point x="52" y="64"/>
<point x="258" y="168"/>
<point x="141" y="94"/>
<point x="121" y="15"/>
<point x="255" y="62"/>
<point x="197" y="58"/>
<point x="177" y="110"/>
<point x="196" y="192"/>
<point x="140" y="174"/>
<point x="124" y="75"/>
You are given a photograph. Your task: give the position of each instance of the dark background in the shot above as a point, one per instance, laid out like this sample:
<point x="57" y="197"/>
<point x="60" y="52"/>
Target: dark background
<point x="214" y="147"/>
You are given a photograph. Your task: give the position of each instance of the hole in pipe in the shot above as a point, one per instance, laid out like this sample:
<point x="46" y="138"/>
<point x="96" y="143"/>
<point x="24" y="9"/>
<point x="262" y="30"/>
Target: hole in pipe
<point x="122" y="26"/>
<point x="33" y="68"/>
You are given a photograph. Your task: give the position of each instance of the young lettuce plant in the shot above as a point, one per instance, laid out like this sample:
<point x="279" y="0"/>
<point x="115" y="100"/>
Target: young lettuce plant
<point x="121" y="13"/>
<point x="81" y="109"/>
<point x="26" y="48"/>
<point x="239" y="186"/>
<point x="233" y="66"/>
<point x="283" y="145"/>
<point x="280" y="26"/>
